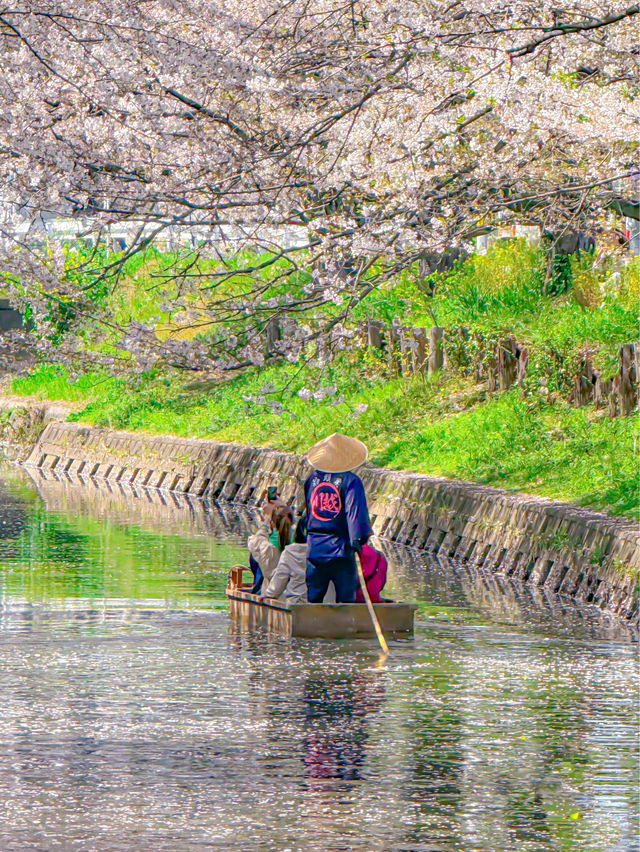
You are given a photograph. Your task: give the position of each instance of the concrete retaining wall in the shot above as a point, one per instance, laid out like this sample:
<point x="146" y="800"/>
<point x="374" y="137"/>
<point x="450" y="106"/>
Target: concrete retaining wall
<point x="561" y="548"/>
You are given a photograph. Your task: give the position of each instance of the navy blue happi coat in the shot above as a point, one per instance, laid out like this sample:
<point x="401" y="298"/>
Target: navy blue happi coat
<point x="338" y="516"/>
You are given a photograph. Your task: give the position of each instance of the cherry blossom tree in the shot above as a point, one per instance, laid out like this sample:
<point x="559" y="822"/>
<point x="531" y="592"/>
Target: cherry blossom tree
<point x="386" y="131"/>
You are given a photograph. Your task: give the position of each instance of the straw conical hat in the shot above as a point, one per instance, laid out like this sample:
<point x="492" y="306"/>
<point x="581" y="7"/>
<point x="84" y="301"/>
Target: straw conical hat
<point x="337" y="454"/>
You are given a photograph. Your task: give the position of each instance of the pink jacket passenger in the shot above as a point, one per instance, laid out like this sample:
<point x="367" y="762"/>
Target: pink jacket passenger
<point x="374" y="568"/>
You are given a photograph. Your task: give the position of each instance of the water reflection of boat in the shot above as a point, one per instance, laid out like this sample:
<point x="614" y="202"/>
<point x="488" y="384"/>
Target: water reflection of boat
<point x="337" y="710"/>
<point x="322" y="621"/>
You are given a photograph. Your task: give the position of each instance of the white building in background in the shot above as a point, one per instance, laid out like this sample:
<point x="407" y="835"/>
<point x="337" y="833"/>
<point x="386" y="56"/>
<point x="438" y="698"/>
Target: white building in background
<point x="632" y="233"/>
<point x="228" y="238"/>
<point x="531" y="233"/>
<point x="23" y="227"/>
<point x="632" y="226"/>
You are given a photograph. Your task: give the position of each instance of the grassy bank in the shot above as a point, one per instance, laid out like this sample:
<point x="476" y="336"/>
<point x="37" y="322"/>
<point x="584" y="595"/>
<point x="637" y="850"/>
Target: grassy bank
<point x="507" y="290"/>
<point x="447" y="426"/>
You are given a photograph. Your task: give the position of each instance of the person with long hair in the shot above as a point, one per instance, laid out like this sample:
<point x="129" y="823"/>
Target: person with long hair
<point x="271" y="538"/>
<point x="289" y="580"/>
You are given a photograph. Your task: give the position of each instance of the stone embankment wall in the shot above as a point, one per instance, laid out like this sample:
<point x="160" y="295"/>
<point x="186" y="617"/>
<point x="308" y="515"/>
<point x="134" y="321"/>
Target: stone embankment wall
<point x="586" y="555"/>
<point x="456" y="584"/>
<point x="22" y="422"/>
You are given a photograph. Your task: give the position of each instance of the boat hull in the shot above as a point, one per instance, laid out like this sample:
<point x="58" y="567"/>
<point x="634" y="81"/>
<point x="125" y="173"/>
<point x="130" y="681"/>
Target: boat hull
<point x="319" y="621"/>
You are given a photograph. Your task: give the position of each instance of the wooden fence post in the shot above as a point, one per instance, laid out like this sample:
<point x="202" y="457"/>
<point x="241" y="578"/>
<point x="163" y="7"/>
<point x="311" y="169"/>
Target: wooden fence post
<point x="374" y="334"/>
<point x="420" y="351"/>
<point x="507" y="362"/>
<point x="436" y="348"/>
<point x="406" y="352"/>
<point x="602" y="391"/>
<point x="492" y="363"/>
<point x="613" y="396"/>
<point x="395" y="358"/>
<point x="273" y="333"/>
<point x="627" y="386"/>
<point x="584" y="384"/>
<point x="456" y="349"/>
<point x="479" y="366"/>
<point x="523" y="361"/>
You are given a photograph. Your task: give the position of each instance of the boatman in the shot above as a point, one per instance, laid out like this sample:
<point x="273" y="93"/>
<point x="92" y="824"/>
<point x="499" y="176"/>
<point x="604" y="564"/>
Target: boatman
<point x="338" y="518"/>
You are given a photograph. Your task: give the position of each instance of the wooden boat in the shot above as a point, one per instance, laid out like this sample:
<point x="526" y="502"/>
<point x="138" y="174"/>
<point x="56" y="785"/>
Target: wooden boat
<point x="315" y="621"/>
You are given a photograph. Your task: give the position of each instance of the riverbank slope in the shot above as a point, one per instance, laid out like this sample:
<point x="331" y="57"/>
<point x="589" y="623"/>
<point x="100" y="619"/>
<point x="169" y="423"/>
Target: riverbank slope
<point x="525" y="390"/>
<point x="446" y="425"/>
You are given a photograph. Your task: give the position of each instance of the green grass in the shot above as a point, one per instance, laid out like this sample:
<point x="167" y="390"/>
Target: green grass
<point x="447" y="427"/>
<point x="504" y="291"/>
<point x="50" y="381"/>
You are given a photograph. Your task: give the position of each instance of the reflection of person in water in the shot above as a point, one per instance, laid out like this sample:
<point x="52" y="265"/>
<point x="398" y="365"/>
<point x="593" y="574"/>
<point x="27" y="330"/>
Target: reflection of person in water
<point x="336" y="719"/>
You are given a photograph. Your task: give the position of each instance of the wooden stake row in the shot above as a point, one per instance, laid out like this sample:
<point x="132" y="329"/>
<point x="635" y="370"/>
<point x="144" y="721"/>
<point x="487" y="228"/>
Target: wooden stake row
<point x="502" y="364"/>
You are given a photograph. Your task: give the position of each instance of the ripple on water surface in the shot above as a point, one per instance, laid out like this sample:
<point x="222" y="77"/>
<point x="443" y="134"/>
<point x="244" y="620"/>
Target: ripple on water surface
<point x="135" y="717"/>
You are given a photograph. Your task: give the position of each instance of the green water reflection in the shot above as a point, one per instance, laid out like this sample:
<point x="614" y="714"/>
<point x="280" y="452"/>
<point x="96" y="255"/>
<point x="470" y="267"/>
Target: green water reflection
<point x="46" y="555"/>
<point x="134" y="720"/>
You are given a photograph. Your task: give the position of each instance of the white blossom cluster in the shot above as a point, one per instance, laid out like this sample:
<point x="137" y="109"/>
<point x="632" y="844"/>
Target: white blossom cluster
<point x="384" y="129"/>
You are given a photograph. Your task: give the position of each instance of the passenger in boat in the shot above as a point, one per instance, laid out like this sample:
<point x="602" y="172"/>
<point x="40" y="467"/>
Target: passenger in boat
<point x="272" y="499"/>
<point x="289" y="580"/>
<point x="258" y="576"/>
<point x="338" y="522"/>
<point x="276" y="518"/>
<point x="374" y="569"/>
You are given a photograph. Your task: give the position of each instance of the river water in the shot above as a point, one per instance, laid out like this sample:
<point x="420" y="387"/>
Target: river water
<point x="135" y="717"/>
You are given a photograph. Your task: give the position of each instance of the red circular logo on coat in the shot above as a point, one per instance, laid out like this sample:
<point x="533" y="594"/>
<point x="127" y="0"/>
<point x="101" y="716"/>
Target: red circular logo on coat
<point x="325" y="502"/>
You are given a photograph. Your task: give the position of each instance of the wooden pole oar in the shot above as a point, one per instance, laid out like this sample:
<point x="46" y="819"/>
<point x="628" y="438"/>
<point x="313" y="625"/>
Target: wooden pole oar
<point x="372" y="612"/>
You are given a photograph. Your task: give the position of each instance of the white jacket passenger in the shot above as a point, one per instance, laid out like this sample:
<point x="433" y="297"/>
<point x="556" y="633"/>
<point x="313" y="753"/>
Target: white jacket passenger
<point x="264" y="551"/>
<point x="289" y="580"/>
<point x="293" y="569"/>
